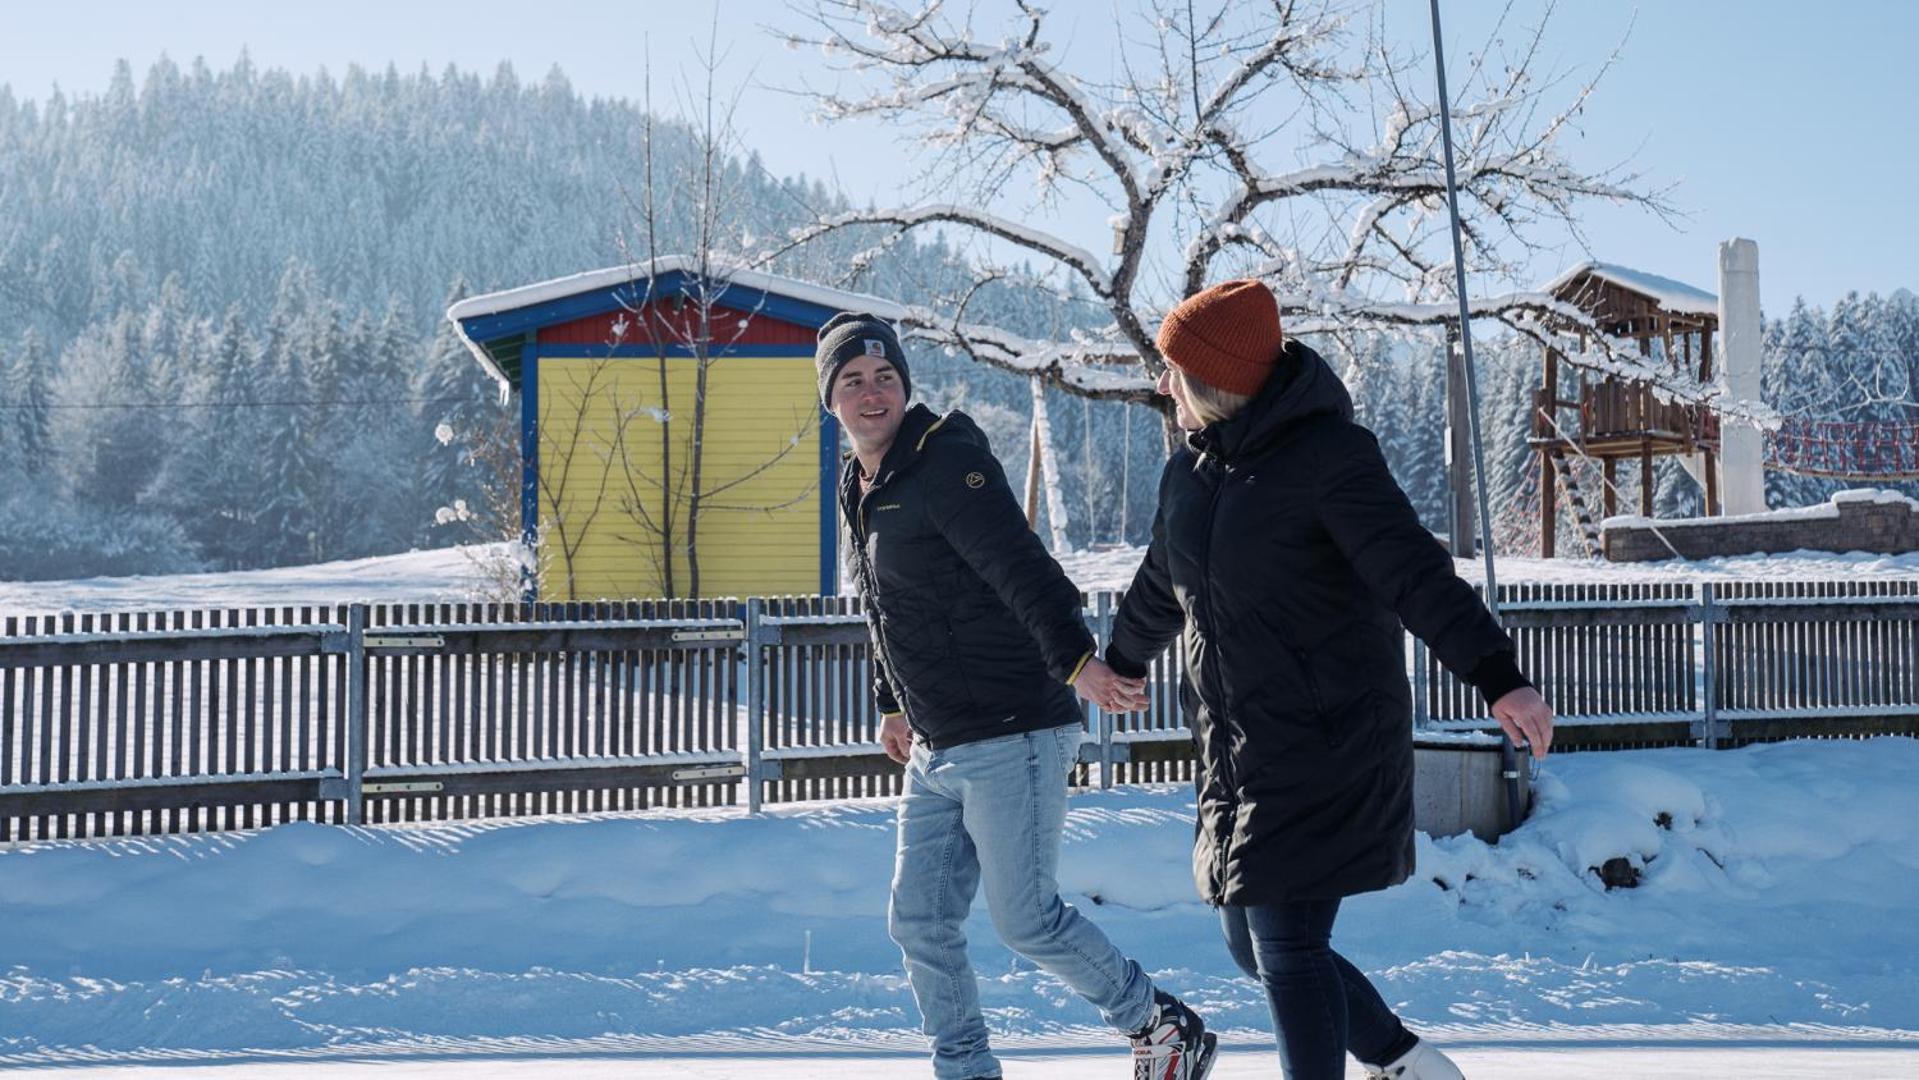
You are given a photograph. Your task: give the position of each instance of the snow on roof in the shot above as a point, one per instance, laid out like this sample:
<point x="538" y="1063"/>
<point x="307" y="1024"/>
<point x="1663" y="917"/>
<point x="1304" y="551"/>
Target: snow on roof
<point x="1671" y="295"/>
<point x="592" y="280"/>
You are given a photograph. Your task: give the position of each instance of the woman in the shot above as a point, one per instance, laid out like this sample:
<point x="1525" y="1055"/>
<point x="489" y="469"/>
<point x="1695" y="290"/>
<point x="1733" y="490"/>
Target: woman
<point x="1290" y="558"/>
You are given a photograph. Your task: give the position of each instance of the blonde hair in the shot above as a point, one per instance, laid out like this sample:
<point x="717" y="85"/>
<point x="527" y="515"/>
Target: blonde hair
<point x="1209" y="403"/>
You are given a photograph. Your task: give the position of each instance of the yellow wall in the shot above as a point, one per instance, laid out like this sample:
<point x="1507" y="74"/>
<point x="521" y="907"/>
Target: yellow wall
<point x="749" y="545"/>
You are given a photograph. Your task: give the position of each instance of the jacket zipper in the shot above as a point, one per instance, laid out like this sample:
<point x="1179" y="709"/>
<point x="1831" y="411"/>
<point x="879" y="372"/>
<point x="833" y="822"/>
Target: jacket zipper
<point x="870" y="582"/>
<point x="1231" y="782"/>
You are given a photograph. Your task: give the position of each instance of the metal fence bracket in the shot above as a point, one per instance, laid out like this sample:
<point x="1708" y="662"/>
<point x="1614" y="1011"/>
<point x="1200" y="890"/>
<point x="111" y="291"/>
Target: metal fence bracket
<point x="709" y="635"/>
<point x="410" y="641"/>
<point x="708" y="772"/>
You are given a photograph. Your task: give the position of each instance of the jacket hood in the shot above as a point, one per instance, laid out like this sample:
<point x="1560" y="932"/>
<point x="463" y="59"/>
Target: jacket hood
<point x="1303" y="386"/>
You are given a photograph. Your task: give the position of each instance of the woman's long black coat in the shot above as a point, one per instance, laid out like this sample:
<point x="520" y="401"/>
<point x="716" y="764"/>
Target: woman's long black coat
<point x="1288" y="555"/>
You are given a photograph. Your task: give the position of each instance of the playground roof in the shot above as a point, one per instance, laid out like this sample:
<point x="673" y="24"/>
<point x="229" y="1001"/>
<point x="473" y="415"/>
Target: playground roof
<point x="1674" y="296"/>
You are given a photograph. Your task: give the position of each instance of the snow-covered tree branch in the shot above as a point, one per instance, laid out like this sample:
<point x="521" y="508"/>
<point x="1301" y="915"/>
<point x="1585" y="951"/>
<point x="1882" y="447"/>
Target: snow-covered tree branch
<point x="1284" y="140"/>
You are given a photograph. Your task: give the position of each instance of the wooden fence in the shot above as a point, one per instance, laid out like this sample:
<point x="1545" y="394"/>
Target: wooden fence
<point x="186" y="721"/>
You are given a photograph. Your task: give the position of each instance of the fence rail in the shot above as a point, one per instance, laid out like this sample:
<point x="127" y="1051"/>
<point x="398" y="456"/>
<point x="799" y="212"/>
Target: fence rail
<point x="184" y="721"/>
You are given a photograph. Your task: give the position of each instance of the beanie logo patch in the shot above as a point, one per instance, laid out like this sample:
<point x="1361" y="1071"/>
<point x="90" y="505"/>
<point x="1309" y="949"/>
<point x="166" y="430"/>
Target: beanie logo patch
<point x="975" y="480"/>
<point x="876" y="347"/>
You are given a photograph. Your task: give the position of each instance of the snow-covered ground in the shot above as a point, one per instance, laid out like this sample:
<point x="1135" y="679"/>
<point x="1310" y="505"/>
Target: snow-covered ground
<point x="442" y="575"/>
<point x="1113" y="569"/>
<point x="1771" y="934"/>
<point x="457" y="574"/>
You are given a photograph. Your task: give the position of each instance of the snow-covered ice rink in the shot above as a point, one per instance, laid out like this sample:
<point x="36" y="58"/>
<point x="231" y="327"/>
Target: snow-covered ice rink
<point x="1771" y="933"/>
<point x="1485" y="1063"/>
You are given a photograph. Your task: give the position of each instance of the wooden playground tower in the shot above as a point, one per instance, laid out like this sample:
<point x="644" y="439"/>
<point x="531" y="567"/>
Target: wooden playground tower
<point x="1608" y="418"/>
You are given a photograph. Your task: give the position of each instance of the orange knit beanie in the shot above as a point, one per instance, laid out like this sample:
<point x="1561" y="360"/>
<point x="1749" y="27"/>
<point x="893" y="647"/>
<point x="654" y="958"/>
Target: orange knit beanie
<point x="1226" y="336"/>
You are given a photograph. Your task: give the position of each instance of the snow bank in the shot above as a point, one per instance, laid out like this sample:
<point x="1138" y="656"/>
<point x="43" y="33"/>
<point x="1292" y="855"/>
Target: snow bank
<point x="1773" y="899"/>
<point x="438" y="575"/>
<point x="1114" y="568"/>
<point x="451" y="575"/>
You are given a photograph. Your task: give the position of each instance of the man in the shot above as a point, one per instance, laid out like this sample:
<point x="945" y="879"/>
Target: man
<point x="977" y="634"/>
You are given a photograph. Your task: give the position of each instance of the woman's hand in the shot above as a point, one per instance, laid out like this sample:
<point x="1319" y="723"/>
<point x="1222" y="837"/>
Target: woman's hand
<point x="1527" y="719"/>
<point x="1109" y="690"/>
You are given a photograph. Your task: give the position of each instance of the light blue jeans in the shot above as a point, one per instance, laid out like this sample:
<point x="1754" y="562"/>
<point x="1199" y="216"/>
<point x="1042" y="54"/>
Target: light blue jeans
<point x="990" y="812"/>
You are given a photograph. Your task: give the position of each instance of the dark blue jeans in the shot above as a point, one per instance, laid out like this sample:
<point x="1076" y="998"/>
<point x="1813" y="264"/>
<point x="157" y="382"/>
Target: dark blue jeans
<point x="1322" y="1006"/>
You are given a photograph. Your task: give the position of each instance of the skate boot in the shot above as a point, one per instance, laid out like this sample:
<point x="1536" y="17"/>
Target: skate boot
<point x="1422" y="1062"/>
<point x="1175" y="1044"/>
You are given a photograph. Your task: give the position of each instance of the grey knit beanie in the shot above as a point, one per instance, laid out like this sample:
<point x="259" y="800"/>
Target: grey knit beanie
<point x="850" y="334"/>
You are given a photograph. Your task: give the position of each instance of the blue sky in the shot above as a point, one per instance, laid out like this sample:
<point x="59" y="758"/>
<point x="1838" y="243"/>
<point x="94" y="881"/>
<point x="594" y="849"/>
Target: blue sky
<point x="1787" y="124"/>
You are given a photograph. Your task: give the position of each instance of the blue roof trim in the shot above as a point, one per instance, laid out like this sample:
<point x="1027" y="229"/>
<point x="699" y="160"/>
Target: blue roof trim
<point x="529" y="463"/>
<point x="628" y="295"/>
<point x="829" y="504"/>
<point x="648" y="352"/>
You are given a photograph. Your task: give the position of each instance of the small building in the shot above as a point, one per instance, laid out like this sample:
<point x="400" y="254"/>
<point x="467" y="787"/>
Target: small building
<point x="609" y="368"/>
<point x="1609" y="418"/>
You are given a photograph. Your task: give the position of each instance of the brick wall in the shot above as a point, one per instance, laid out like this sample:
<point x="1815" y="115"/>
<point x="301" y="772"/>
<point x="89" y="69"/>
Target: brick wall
<point x="1853" y="521"/>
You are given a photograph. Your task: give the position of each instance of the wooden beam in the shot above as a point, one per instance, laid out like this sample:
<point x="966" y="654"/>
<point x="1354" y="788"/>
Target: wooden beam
<point x="1548" y="506"/>
<point x="188" y="794"/>
<point x="1645" y="479"/>
<point x="72" y="650"/>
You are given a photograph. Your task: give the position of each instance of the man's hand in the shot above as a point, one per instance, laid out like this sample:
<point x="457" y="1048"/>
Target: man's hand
<point x="1112" y="692"/>
<point x="1527" y="718"/>
<point x="895" y="737"/>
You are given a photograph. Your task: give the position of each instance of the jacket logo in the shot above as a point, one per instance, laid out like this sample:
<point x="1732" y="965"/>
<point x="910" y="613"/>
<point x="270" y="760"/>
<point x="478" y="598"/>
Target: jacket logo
<point x="876" y="347"/>
<point x="975" y="480"/>
<point x="887" y="506"/>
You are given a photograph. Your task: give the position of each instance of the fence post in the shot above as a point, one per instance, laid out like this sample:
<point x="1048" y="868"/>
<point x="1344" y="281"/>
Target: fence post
<point x="755" y="702"/>
<point x="356" y="713"/>
<point x="1103" y="633"/>
<point x="1709" y="666"/>
<point x="1422" y="709"/>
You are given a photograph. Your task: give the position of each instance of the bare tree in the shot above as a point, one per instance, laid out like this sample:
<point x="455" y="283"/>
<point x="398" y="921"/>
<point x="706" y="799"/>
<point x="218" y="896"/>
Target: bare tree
<point x="1184" y="145"/>
<point x="661" y="505"/>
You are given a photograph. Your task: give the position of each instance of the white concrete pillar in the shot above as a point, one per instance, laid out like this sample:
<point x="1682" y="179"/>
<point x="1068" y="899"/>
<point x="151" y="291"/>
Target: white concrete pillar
<point x="1742" y="488"/>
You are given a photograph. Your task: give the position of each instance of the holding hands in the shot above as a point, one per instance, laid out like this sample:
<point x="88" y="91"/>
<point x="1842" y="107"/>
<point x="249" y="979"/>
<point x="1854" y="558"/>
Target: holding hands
<point x="1109" y="690"/>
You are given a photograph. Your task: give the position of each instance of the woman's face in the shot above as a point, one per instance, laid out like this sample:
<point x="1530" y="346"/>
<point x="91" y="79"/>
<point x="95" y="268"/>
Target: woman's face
<point x="1173" y="386"/>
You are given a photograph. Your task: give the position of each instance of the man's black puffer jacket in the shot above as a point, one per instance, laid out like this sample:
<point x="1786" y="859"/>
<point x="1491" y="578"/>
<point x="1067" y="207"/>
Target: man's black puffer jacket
<point x="976" y="630"/>
<point x="1288" y="555"/>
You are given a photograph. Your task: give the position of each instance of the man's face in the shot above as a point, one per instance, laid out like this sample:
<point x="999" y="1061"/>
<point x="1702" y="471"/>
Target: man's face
<point x="869" y="400"/>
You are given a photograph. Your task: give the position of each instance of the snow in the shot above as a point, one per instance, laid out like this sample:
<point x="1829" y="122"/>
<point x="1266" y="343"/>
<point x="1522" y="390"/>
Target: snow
<point x="440" y="575"/>
<point x="1817" y="511"/>
<point x="1672" y="295"/>
<point x="1820" y="512"/>
<point x="731" y="939"/>
<point x="1113" y="568"/>
<point x="1246" y="1062"/>
<point x="456" y="574"/>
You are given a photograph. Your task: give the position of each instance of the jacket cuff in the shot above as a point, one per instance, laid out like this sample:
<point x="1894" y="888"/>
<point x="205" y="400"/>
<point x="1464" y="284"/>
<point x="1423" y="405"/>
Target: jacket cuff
<point x="1496" y="676"/>
<point x="1079" y="667"/>
<point x="1124" y="665"/>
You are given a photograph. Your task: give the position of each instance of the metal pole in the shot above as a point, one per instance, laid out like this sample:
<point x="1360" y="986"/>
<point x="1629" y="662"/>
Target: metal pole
<point x="1509" y="755"/>
<point x="356" y="714"/>
<point x="1709" y="666"/>
<point x="1105" y="627"/>
<point x="753" y="649"/>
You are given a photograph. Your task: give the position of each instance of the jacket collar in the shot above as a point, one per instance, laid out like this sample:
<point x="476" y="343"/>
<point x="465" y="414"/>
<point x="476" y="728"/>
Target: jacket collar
<point x="1302" y="386"/>
<point x="918" y="423"/>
